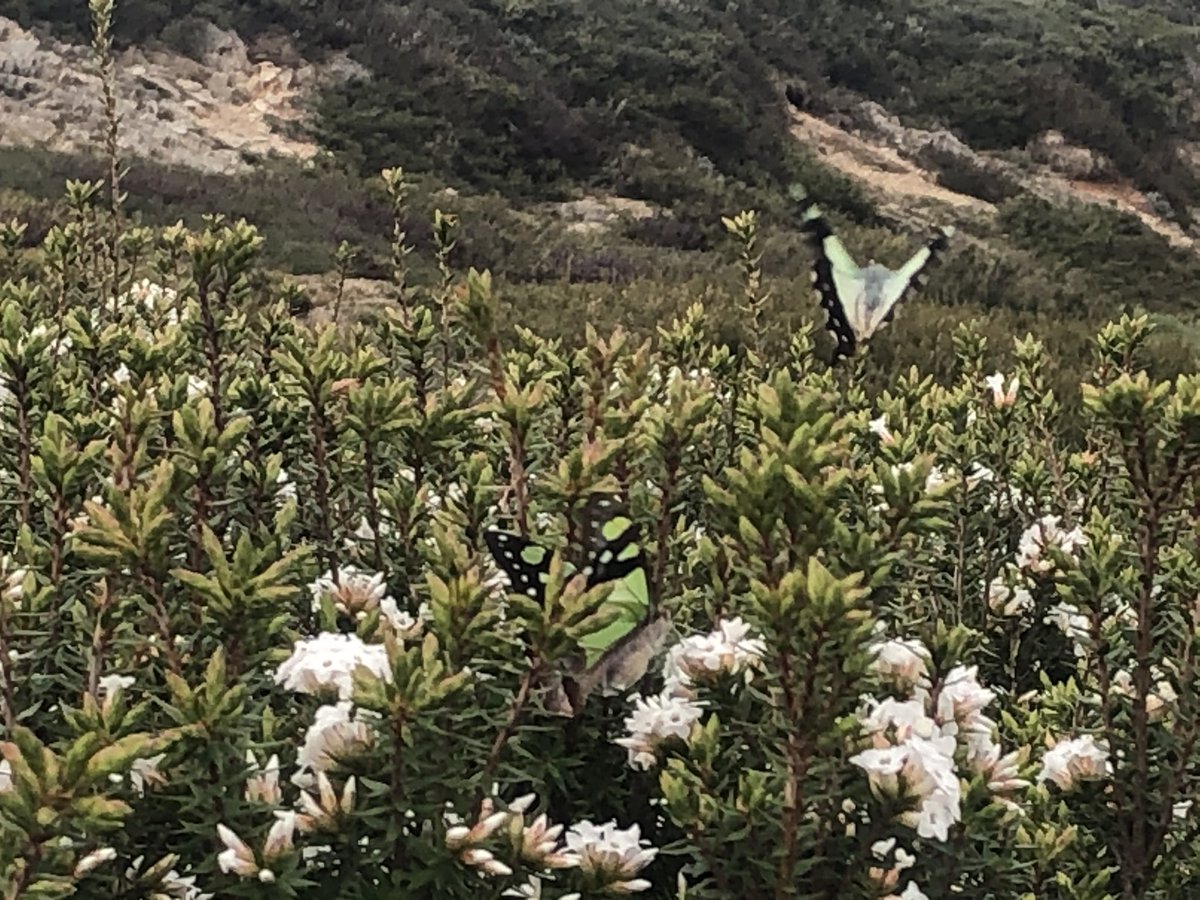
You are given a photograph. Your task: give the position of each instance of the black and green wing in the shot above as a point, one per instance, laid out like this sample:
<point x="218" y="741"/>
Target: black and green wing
<point x="617" y="655"/>
<point x="614" y="554"/>
<point x="526" y="564"/>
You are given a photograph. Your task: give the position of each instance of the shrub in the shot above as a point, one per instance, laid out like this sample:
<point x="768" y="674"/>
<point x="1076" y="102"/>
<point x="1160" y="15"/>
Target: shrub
<point x="915" y="639"/>
<point x="666" y="231"/>
<point x="957" y="174"/>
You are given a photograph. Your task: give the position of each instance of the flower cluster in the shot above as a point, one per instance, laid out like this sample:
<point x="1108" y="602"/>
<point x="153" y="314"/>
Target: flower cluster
<point x="611" y="856"/>
<point x="702" y="659"/>
<point x="239" y="859"/>
<point x="896" y="859"/>
<point x="904" y="661"/>
<point x="1008" y="600"/>
<point x="535" y="844"/>
<point x="325" y="810"/>
<point x="465" y="841"/>
<point x="1010" y="595"/>
<point x="654" y="721"/>
<point x="12" y="581"/>
<point x="1039" y="540"/>
<point x="357" y="594"/>
<point x="1159" y="700"/>
<point x="334" y="736"/>
<point x="151" y="297"/>
<point x="1069" y="762"/>
<point x="696" y="661"/>
<point x="327" y="663"/>
<point x="914" y="742"/>
<point x="1002" y="394"/>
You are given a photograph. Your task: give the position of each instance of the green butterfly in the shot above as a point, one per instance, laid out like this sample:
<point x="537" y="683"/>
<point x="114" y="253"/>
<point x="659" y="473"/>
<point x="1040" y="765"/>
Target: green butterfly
<point x="617" y="656"/>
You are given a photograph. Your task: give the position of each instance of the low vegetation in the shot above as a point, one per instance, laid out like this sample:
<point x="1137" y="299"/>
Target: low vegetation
<point x="923" y="642"/>
<point x="932" y="629"/>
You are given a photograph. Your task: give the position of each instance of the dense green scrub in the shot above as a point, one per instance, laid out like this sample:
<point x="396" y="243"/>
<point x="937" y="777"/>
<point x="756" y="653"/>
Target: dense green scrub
<point x="532" y="98"/>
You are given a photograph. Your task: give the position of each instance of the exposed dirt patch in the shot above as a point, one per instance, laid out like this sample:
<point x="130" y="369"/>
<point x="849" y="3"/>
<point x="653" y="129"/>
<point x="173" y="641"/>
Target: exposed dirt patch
<point x="1130" y="200"/>
<point x="359" y="295"/>
<point x="880" y="168"/>
<point x="878" y="154"/>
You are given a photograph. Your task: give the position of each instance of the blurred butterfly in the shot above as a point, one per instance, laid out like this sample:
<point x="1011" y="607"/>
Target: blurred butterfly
<point x="858" y="301"/>
<point x="617" y="656"/>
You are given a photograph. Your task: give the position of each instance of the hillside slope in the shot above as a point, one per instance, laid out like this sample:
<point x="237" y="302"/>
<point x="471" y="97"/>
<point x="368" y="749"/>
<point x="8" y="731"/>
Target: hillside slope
<point x="215" y="114"/>
<point x="885" y="157"/>
<point x="603" y="144"/>
<point x="531" y="98"/>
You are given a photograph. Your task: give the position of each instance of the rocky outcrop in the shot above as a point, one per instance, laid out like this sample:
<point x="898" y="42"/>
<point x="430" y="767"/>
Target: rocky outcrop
<point x="917" y="175"/>
<point x="938" y="150"/>
<point x="1052" y="150"/>
<point x="220" y="113"/>
<point x="590" y="214"/>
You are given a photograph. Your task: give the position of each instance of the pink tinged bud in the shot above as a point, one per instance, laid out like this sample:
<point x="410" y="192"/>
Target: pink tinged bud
<point x="486" y="827"/>
<point x="521" y="805"/>
<point x="476" y="856"/>
<point x="634" y="886"/>
<point x="495" y="868"/>
<point x="457" y="836"/>
<point x="329" y="800"/>
<point x="562" y="860"/>
<point x="534" y="836"/>
<point x="236" y="858"/>
<point x="279" y="838"/>
<point x="263" y="786"/>
<point x="349" y="794"/>
<point x="93" y="860"/>
<point x="312" y="809"/>
<point x="305" y="824"/>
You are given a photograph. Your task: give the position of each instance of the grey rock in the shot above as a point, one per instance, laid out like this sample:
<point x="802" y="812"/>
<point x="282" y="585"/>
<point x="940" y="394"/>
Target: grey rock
<point x="1052" y="149"/>
<point x="214" y="116"/>
<point x="223" y="50"/>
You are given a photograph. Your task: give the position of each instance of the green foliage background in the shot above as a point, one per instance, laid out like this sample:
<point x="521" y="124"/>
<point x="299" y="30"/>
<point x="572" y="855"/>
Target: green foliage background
<point x="516" y="104"/>
<point x="682" y="104"/>
<point x="151" y="533"/>
<point x="152" y="527"/>
<point x="529" y="97"/>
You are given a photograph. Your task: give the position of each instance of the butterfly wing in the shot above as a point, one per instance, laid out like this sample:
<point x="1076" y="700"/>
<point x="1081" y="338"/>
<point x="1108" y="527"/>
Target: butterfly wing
<point x="526" y="564"/>
<point x="616" y="656"/>
<point x="622" y="666"/>
<point x="614" y="555"/>
<point x="893" y="287"/>
<point x="859" y="302"/>
<point x="838" y="281"/>
<point x="630" y="598"/>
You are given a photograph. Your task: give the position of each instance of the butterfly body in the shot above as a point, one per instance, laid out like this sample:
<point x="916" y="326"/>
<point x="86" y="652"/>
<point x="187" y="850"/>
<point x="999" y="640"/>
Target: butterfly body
<point x="859" y="301"/>
<point x="616" y="656"/>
